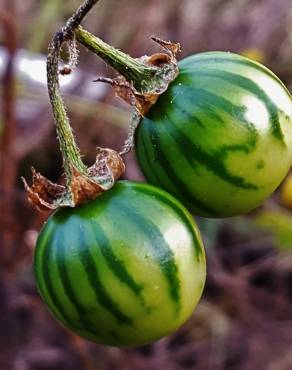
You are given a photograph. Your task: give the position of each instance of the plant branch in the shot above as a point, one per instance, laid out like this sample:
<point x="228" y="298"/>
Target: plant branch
<point x="69" y="148"/>
<point x="143" y="79"/>
<point x="75" y="20"/>
<point x="83" y="183"/>
<point x="132" y="69"/>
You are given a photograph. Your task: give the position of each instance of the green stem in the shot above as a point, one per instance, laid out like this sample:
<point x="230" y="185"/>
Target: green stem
<point x="68" y="146"/>
<point x="140" y="74"/>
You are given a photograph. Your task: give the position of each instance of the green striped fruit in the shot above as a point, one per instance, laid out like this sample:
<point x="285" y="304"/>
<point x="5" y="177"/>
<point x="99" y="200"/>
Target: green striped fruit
<point x="124" y="269"/>
<point x="220" y="137"/>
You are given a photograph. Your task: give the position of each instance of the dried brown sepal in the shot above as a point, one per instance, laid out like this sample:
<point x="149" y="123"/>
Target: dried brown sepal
<point x="83" y="186"/>
<point x="167" y="72"/>
<point x="143" y="102"/>
<point x="159" y="59"/>
<point x="122" y="88"/>
<point x="101" y="176"/>
<point x="171" y="47"/>
<point x="43" y="194"/>
<point x="108" y="167"/>
<point x="125" y="90"/>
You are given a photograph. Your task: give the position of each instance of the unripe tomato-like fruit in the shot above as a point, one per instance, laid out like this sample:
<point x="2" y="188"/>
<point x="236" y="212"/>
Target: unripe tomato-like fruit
<point x="220" y="137"/>
<point x="124" y="269"/>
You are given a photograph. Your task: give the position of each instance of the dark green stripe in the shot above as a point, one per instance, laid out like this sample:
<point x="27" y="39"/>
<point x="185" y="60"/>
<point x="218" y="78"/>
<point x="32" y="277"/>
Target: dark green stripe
<point x="154" y="175"/>
<point x="187" y="219"/>
<point x="116" y="265"/>
<point x="142" y="146"/>
<point x="249" y="85"/>
<point x="263" y="69"/>
<point x="232" y="59"/>
<point x="209" y="161"/>
<point x="192" y="116"/>
<point x="207" y="107"/>
<point x="223" y="150"/>
<point x="205" y="102"/>
<point x="159" y="247"/>
<point x="96" y="283"/>
<point x="47" y="282"/>
<point x="255" y="65"/>
<point x="60" y="247"/>
<point x="182" y="191"/>
<point x="210" y="102"/>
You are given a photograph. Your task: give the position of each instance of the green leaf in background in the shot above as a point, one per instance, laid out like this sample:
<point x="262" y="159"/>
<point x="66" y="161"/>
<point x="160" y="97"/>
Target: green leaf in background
<point x="279" y="224"/>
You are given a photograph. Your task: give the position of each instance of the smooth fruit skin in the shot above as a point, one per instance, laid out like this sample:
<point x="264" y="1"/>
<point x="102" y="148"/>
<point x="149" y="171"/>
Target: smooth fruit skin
<point x="220" y="138"/>
<point x="125" y="269"/>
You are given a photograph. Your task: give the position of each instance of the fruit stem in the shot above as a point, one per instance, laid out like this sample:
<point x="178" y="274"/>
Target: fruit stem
<point x="139" y="73"/>
<point x="68" y="146"/>
<point x="70" y="152"/>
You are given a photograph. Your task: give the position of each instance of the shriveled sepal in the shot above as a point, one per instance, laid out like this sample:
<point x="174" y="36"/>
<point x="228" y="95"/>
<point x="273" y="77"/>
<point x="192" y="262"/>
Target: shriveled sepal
<point x="82" y="186"/>
<point x="167" y="71"/>
<point x="44" y="194"/>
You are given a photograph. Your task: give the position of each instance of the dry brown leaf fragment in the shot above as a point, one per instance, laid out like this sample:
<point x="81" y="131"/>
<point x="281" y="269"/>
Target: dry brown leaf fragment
<point x="82" y="187"/>
<point x="171" y="47"/>
<point x="167" y="71"/>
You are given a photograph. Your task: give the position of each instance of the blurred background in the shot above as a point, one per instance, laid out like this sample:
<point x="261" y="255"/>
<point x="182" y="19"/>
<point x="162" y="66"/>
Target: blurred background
<point x="244" y="320"/>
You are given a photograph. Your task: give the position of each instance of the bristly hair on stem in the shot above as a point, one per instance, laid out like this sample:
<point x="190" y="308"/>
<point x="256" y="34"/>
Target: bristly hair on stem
<point x="83" y="183"/>
<point x="147" y="77"/>
<point x="68" y="146"/>
<point x="140" y="83"/>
